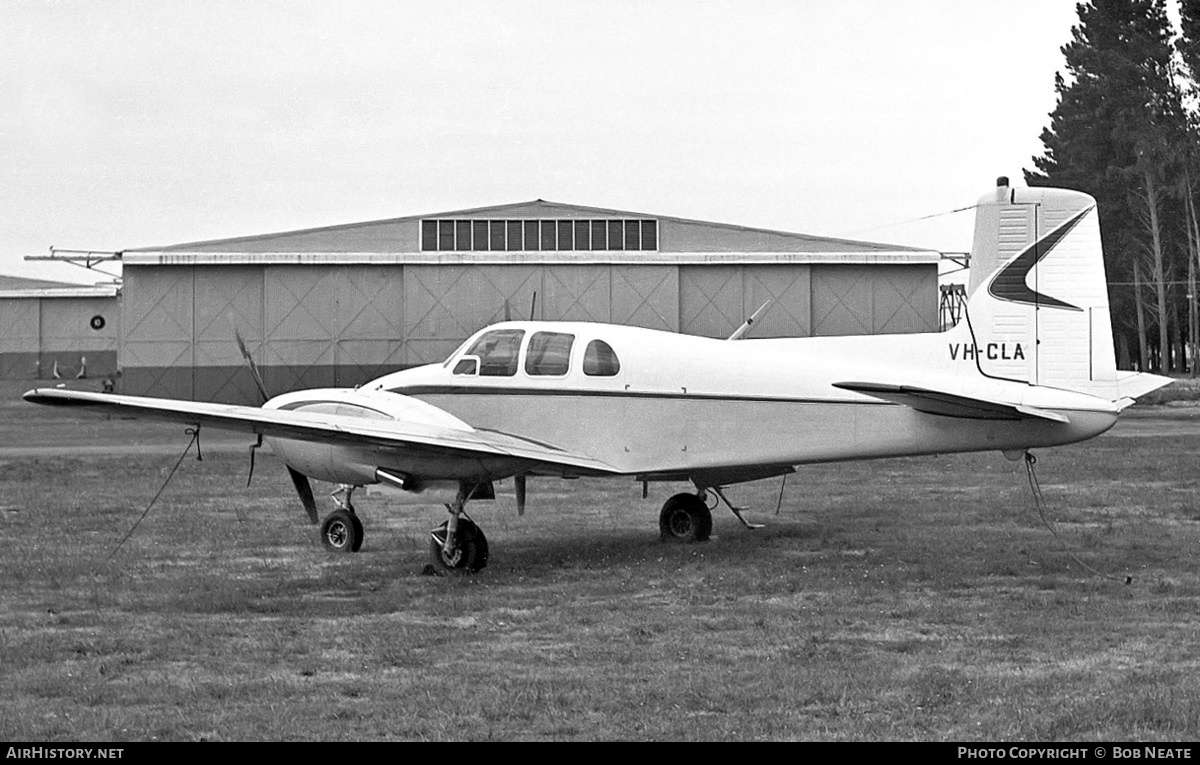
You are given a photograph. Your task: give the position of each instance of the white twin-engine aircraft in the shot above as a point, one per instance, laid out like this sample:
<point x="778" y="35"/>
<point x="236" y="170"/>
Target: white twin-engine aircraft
<point x="1031" y="365"/>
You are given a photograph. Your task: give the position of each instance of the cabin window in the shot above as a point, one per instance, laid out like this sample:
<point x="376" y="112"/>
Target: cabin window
<point x="549" y="354"/>
<point x="467" y="366"/>
<point x="497" y="351"/>
<point x="600" y="360"/>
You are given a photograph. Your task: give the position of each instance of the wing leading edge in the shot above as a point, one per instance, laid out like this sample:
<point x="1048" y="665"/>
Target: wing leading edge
<point x="326" y="428"/>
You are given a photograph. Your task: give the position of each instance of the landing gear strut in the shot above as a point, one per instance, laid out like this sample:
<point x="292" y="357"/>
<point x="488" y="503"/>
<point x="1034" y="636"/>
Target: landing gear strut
<point x="685" y="518"/>
<point x="341" y="530"/>
<point x="458" y="546"/>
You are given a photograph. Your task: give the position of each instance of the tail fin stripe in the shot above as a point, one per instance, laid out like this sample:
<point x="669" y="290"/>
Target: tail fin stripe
<point x="1009" y="283"/>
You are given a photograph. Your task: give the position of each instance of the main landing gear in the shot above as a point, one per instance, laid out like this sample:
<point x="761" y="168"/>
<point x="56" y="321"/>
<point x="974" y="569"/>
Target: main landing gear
<point x="458" y="546"/>
<point x="342" y="531"/>
<point x="687" y="517"/>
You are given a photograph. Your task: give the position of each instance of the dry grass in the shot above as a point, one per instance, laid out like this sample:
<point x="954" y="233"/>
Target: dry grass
<point x="900" y="599"/>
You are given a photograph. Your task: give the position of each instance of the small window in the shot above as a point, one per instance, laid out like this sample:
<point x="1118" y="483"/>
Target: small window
<point x="497" y="351"/>
<point x="429" y="235"/>
<point x="533" y="237"/>
<point x="599" y="360"/>
<point x="462" y="235"/>
<point x="633" y="237"/>
<point x="566" y="238"/>
<point x="599" y="235"/>
<point x="616" y="235"/>
<point x="549" y="354"/>
<point x="549" y="235"/>
<point x="514" y="235"/>
<point x="497" y="236"/>
<point x="467" y="366"/>
<point x="649" y="235"/>
<point x="445" y="235"/>
<point x="479" y="230"/>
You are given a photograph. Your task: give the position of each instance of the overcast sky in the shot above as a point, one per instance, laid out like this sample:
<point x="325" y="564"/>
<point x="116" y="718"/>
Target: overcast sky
<point x="128" y="124"/>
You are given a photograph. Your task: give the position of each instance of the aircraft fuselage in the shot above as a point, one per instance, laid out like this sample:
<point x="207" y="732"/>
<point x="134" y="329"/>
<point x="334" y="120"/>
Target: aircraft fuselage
<point x="670" y="404"/>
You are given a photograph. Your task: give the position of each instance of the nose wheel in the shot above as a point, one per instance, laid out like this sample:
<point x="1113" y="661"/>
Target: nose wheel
<point x="342" y="531"/>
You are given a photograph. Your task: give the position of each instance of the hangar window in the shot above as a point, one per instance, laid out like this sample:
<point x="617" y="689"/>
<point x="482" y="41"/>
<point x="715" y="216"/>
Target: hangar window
<point x="649" y="235"/>
<point x="549" y="240"/>
<point x="549" y="354"/>
<point x="599" y="235"/>
<point x="445" y="235"/>
<point x="480" y="228"/>
<point x="564" y="235"/>
<point x="497" y="351"/>
<point x="462" y="234"/>
<point x="600" y="360"/>
<point x="532" y="235"/>
<point x="616" y="235"/>
<point x="514" y="235"/>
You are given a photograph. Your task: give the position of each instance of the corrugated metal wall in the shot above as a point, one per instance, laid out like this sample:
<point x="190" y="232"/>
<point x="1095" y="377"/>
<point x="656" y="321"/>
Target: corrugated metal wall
<point x="41" y="334"/>
<point x="318" y="325"/>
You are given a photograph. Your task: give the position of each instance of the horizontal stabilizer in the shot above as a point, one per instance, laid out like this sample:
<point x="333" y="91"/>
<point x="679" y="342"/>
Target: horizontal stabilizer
<point x="1133" y="385"/>
<point x="950" y="404"/>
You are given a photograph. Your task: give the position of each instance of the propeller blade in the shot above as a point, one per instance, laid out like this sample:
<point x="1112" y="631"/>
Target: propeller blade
<point x="299" y="480"/>
<point x="304" y="489"/>
<point x="258" y="381"/>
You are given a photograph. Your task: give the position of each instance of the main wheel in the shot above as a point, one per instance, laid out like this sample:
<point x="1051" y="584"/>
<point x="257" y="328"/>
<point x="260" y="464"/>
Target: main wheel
<point x="470" y="551"/>
<point x="685" y="518"/>
<point x="341" y="532"/>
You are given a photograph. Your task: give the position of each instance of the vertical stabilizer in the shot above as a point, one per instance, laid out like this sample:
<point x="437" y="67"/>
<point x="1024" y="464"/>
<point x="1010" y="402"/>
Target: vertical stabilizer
<point x="1038" y="304"/>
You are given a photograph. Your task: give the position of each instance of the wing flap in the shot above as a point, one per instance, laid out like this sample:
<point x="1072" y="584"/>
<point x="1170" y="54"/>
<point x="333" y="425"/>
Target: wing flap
<point x="950" y="404"/>
<point x="322" y="428"/>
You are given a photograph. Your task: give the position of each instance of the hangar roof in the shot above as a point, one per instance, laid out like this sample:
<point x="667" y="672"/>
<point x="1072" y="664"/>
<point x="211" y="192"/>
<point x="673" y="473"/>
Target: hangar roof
<point x="397" y="240"/>
<point x="21" y="287"/>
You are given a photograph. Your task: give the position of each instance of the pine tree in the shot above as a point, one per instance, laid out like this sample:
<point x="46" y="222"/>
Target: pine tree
<point x="1115" y="133"/>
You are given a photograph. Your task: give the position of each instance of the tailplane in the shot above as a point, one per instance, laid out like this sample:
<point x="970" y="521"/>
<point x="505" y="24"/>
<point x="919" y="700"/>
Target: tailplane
<point x="1037" y="310"/>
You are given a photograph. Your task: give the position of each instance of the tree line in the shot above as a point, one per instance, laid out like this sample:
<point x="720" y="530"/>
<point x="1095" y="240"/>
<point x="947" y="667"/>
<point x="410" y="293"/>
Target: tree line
<point x="1126" y="129"/>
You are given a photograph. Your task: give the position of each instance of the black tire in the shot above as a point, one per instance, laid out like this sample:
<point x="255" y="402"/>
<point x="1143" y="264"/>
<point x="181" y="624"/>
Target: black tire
<point x="470" y="552"/>
<point x="685" y="519"/>
<point x="341" y="532"/>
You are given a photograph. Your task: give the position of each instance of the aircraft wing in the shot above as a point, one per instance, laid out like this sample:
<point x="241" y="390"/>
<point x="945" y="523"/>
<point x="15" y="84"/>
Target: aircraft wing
<point x="950" y="404"/>
<point x="325" y="428"/>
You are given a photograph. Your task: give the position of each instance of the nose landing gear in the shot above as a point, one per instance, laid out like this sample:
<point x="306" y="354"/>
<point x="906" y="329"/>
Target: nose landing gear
<point x="342" y="531"/>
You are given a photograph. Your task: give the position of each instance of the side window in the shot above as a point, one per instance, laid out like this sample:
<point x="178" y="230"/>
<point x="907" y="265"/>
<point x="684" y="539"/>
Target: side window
<point x="468" y="366"/>
<point x="497" y="352"/>
<point x="599" y="360"/>
<point x="549" y="353"/>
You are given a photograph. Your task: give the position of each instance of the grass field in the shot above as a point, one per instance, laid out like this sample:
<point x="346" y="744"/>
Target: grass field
<point x="899" y="599"/>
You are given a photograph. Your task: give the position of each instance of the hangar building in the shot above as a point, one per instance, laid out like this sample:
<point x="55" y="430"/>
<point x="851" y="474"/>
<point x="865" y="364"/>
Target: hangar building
<point x="50" y="329"/>
<point x="340" y="305"/>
